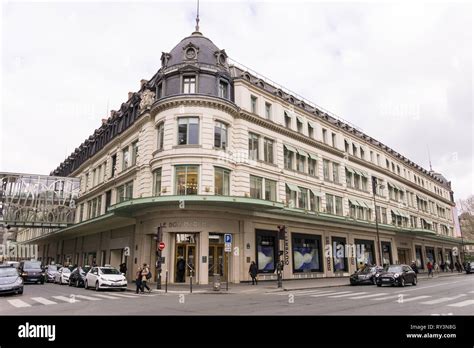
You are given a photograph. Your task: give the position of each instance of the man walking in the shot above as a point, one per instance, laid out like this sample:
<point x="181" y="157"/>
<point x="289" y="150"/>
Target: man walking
<point x="138" y="281"/>
<point x="146" y="275"/>
<point x="253" y="272"/>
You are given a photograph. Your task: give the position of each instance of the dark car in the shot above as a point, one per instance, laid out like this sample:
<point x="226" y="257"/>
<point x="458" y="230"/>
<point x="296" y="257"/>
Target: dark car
<point x="10" y="281"/>
<point x="397" y="275"/>
<point x="51" y="272"/>
<point x="32" y="271"/>
<point x="367" y="275"/>
<point x="469" y="267"/>
<point x="78" y="275"/>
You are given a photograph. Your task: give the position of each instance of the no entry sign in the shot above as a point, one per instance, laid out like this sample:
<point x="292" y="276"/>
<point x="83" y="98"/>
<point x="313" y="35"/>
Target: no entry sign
<point x="161" y="246"/>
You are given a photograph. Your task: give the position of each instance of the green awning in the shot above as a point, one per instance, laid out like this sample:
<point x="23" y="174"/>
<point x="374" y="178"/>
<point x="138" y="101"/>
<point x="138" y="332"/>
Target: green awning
<point x="350" y="170"/>
<point x="364" y="174"/>
<point x="422" y="198"/>
<point x="290" y="148"/>
<point x="293" y="187"/>
<point x="353" y="202"/>
<point x="301" y="119"/>
<point x="313" y="156"/>
<point x="429" y="222"/>
<point x="366" y="205"/>
<point x="317" y="193"/>
<point x="311" y="124"/>
<point x="302" y="152"/>
<point x="395" y="212"/>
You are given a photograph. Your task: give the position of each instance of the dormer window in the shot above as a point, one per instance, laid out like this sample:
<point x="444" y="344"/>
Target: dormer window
<point x="189" y="84"/>
<point x="190" y="51"/>
<point x="223" y="89"/>
<point x="221" y="57"/>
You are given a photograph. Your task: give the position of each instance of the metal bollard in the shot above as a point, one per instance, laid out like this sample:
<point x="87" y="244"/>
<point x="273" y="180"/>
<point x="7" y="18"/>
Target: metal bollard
<point x="191" y="282"/>
<point x="166" y="282"/>
<point x="216" y="285"/>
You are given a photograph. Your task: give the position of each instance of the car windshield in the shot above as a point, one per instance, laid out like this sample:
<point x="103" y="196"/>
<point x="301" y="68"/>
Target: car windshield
<point x="366" y="270"/>
<point x="109" y="271"/>
<point x="8" y="272"/>
<point x="66" y="270"/>
<point x="32" y="265"/>
<point x="394" y="269"/>
<point x="52" y="268"/>
<point x="85" y="269"/>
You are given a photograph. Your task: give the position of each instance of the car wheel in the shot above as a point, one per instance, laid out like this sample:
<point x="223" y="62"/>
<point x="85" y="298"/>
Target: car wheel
<point x="42" y="282"/>
<point x="123" y="289"/>
<point x="86" y="286"/>
<point x="402" y="282"/>
<point x="415" y="281"/>
<point x="379" y="285"/>
<point x="97" y="286"/>
<point x="20" y="292"/>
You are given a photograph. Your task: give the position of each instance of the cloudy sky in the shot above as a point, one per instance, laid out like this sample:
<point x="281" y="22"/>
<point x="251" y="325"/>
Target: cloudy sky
<point x="400" y="71"/>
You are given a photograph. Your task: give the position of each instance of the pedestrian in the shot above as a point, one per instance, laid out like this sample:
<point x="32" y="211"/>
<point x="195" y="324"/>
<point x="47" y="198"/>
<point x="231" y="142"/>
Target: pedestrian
<point x="146" y="275"/>
<point x="253" y="272"/>
<point x="451" y="267"/>
<point x="436" y="267"/>
<point x="413" y="266"/>
<point x="181" y="267"/>
<point x="442" y="266"/>
<point x="430" y="269"/>
<point x="123" y="268"/>
<point x="138" y="281"/>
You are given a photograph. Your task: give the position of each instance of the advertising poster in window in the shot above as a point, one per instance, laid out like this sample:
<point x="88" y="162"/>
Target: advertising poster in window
<point x="366" y="255"/>
<point x="339" y="259"/>
<point x="266" y="251"/>
<point x="419" y="258"/>
<point x="306" y="253"/>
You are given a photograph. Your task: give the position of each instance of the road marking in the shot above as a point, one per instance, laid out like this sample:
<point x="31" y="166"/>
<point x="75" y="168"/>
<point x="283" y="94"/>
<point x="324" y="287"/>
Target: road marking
<point x="331" y="293"/>
<point x="128" y="296"/>
<point x="286" y="293"/>
<point x="462" y="304"/>
<point x="471" y="292"/>
<point x="403" y="300"/>
<point x="386" y="297"/>
<point x="71" y="299"/>
<point x="19" y="303"/>
<point x="367" y="296"/>
<point x="442" y="299"/>
<point x="88" y="298"/>
<point x="107" y="296"/>
<point x="350" y="294"/>
<point x="43" y="300"/>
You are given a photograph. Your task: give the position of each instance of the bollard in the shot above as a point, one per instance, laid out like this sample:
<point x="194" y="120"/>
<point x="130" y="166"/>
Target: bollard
<point x="191" y="282"/>
<point x="166" y="282"/>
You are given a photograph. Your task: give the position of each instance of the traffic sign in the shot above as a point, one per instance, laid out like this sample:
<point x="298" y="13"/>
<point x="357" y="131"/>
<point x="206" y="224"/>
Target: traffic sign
<point x="228" y="242"/>
<point x="161" y="246"/>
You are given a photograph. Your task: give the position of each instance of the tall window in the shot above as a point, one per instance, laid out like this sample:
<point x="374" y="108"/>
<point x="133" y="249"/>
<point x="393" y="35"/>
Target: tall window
<point x="325" y="136"/>
<point x="270" y="190"/>
<point x="220" y="135"/>
<point x="187" y="180"/>
<point x="346" y="145"/>
<point x="268" y="111"/>
<point x="378" y="159"/>
<point x="189" y="84"/>
<point x="333" y="139"/>
<point x="338" y="205"/>
<point x="125" y="192"/>
<point x="134" y="152"/>
<point x="299" y="125"/>
<point x="253" y="146"/>
<point x="362" y="153"/>
<point x="161" y="135"/>
<point x="326" y="170"/>
<point x="354" y="150"/>
<point x="159" y="90"/>
<point x="125" y="158"/>
<point x="287" y="120"/>
<point x="114" y="165"/>
<point x="330" y="204"/>
<point x="157" y="182"/>
<point x="268" y="150"/>
<point x="223" y="89"/>
<point x="288" y="158"/>
<point x="335" y="172"/>
<point x="314" y="200"/>
<point x="188" y="131"/>
<point x="253" y="104"/>
<point x="301" y="159"/>
<point x="256" y="187"/>
<point x="312" y="166"/>
<point x="303" y="198"/>
<point x="310" y="130"/>
<point x="221" y="181"/>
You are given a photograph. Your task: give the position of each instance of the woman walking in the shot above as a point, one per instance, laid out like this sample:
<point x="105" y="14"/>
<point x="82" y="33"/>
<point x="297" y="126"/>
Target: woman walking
<point x="138" y="281"/>
<point x="146" y="274"/>
<point x="253" y="272"/>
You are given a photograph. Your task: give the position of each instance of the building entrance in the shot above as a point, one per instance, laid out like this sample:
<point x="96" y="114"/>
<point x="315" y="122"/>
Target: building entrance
<point x="217" y="260"/>
<point x="185" y="257"/>
<point x="404" y="256"/>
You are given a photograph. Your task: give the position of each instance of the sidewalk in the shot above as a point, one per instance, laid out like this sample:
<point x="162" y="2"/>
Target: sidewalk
<point x="266" y="286"/>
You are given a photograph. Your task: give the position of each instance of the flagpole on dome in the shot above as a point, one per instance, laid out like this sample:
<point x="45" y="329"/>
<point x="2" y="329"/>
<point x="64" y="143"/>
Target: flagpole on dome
<point x="196" y="31"/>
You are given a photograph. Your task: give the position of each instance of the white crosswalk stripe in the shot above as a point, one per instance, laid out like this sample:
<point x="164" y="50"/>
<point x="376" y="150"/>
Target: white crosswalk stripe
<point x="300" y="293"/>
<point x="19" y="303"/>
<point x="471" y="292"/>
<point x="107" y="296"/>
<point x="331" y="293"/>
<point x="442" y="299"/>
<point x="349" y="294"/>
<point x="368" y="296"/>
<point x="69" y="299"/>
<point x="413" y="298"/>
<point x="386" y="297"/>
<point x="89" y="298"/>
<point x="43" y="301"/>
<point x="128" y="296"/>
<point x="462" y="303"/>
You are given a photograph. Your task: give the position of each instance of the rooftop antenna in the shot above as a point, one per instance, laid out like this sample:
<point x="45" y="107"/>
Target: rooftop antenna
<point x="429" y="158"/>
<point x="197" y="17"/>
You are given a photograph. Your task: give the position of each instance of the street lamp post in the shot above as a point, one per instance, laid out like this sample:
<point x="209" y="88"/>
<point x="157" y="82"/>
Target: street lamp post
<point x="379" y="245"/>
<point x="281" y="240"/>
<point x="159" y="235"/>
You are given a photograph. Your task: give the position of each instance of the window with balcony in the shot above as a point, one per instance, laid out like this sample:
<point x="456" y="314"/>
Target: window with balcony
<point x="221" y="181"/>
<point x="220" y="135"/>
<point x="188" y="131"/>
<point x="186" y="180"/>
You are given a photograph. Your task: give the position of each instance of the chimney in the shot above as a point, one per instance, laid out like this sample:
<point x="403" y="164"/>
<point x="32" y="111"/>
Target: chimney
<point x="104" y="121"/>
<point x="112" y="113"/>
<point x="143" y="82"/>
<point x="130" y="94"/>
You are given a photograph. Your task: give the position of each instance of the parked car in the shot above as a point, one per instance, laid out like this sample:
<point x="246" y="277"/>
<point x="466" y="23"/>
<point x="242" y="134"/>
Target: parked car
<point x="366" y="275"/>
<point x="397" y="275"/>
<point x="78" y="276"/>
<point x="15" y="264"/>
<point x="62" y="277"/>
<point x="32" y="271"/>
<point x="10" y="280"/>
<point x="105" y="278"/>
<point x="51" y="272"/>
<point x="469" y="267"/>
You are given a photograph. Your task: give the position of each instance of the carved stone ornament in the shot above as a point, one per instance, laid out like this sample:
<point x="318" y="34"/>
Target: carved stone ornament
<point x="147" y="98"/>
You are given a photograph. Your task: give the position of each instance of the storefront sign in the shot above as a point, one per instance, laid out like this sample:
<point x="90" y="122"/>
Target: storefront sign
<point x="328" y="258"/>
<point x="183" y="225"/>
<point x="286" y="249"/>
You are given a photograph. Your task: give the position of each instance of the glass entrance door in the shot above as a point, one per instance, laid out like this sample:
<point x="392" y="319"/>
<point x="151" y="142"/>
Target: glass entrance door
<point x="217" y="261"/>
<point x="185" y="258"/>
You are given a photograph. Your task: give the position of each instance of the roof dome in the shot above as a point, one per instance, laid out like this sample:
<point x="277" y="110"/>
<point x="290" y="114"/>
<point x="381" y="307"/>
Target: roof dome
<point x="195" y="49"/>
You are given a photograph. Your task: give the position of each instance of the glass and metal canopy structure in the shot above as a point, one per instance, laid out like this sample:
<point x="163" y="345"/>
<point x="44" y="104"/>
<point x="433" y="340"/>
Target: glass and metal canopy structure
<point x="29" y="200"/>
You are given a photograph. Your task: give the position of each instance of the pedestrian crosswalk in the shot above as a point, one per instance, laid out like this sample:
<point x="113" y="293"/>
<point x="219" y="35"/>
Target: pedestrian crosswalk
<point x="458" y="301"/>
<point x="72" y="298"/>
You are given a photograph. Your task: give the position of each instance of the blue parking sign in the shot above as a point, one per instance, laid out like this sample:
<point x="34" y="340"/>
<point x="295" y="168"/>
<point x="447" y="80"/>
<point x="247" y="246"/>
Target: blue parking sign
<point x="227" y="238"/>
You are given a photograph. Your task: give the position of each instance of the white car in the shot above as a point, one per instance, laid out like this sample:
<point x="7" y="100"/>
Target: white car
<point x="62" y="276"/>
<point x="105" y="278"/>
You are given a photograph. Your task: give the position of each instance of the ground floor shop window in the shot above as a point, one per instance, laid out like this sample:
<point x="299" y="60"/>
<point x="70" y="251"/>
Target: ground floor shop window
<point x="266" y="251"/>
<point x="419" y="257"/>
<point x="386" y="253"/>
<point x="430" y="255"/>
<point x="449" y="257"/>
<point x="338" y="253"/>
<point x="366" y="254"/>
<point x="306" y="253"/>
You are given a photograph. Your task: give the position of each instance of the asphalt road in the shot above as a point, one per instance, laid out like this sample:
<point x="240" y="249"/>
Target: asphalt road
<point x="441" y="296"/>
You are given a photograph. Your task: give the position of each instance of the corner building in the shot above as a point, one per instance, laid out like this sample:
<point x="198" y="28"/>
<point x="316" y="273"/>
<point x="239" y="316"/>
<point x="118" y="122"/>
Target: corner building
<point x="206" y="147"/>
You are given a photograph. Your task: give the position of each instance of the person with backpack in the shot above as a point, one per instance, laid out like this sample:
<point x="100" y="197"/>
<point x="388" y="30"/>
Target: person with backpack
<point x="146" y="276"/>
<point x="138" y="281"/>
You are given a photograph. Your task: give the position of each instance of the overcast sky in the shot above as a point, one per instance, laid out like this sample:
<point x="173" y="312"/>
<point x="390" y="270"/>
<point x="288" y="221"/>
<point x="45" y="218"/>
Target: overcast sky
<point x="402" y="72"/>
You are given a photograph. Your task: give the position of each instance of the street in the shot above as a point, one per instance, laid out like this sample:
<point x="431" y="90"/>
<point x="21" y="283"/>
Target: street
<point x="440" y="296"/>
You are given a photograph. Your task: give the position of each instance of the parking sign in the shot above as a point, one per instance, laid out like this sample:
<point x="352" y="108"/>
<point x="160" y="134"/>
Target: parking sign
<point x="227" y="242"/>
